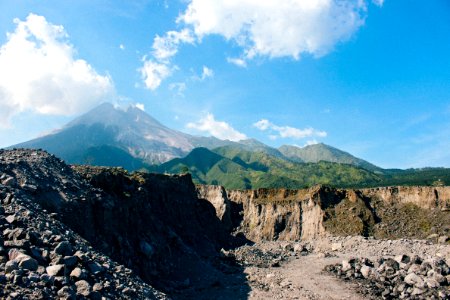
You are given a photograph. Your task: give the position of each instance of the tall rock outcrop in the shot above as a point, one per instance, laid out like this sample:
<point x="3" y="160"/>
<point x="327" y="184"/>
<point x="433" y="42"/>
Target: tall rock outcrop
<point x="153" y="224"/>
<point x="388" y="212"/>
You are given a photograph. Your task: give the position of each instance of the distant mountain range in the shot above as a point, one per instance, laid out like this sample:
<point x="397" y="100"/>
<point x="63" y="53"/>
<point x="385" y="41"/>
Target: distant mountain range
<point x="134" y="140"/>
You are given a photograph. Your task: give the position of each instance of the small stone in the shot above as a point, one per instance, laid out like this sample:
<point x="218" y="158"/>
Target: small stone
<point x="66" y="293"/>
<point x="365" y="271"/>
<point x="83" y="287"/>
<point x="443" y="239"/>
<point x="27" y="262"/>
<point x="336" y="246"/>
<point x="97" y="287"/>
<point x="95" y="268"/>
<point x="346" y="266"/>
<point x="64" y="248"/>
<point x="11" y="266"/>
<point x="47" y="278"/>
<point x="55" y="270"/>
<point x="415" y="280"/>
<point x="70" y="261"/>
<point x="76" y="273"/>
<point x="417" y="291"/>
<point x="10" y="219"/>
<point x="405" y="259"/>
<point x="9" y="181"/>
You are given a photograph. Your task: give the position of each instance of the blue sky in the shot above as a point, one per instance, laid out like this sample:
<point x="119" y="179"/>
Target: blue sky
<point x="368" y="77"/>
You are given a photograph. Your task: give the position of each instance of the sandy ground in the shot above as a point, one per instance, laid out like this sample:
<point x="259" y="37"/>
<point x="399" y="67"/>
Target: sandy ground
<point x="301" y="276"/>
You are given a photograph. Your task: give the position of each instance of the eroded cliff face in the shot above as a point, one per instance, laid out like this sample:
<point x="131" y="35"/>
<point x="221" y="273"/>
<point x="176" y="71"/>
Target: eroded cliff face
<point x="423" y="196"/>
<point x="389" y="212"/>
<point x="153" y="224"/>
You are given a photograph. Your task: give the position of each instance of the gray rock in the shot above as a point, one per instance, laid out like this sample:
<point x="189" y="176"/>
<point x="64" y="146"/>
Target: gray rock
<point x="431" y="283"/>
<point x="70" y="261"/>
<point x="415" y="280"/>
<point x="64" y="248"/>
<point x="346" y="265"/>
<point x="27" y="262"/>
<point x="66" y="293"/>
<point x="443" y="239"/>
<point x="55" y="270"/>
<point x="11" y="266"/>
<point x="366" y="271"/>
<point x="95" y="268"/>
<point x="83" y="288"/>
<point x="97" y="287"/>
<point x="77" y="274"/>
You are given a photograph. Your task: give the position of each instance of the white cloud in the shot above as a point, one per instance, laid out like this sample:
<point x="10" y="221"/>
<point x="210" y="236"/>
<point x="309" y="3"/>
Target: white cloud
<point x="269" y="28"/>
<point x="237" y="61"/>
<point x="296" y="133"/>
<point x="121" y="47"/>
<point x="178" y="87"/>
<point x="158" y="68"/>
<point x="39" y="72"/>
<point x="277" y="28"/>
<point x="167" y="46"/>
<point x="141" y="106"/>
<point x="153" y="73"/>
<point x="207" y="72"/>
<point x="287" y="131"/>
<point x="218" y="129"/>
<point x="262" y="124"/>
<point x="311" y="142"/>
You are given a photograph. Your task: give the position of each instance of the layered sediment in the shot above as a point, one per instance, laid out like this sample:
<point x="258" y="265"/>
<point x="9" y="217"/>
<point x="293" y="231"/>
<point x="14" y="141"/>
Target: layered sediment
<point x="388" y="212"/>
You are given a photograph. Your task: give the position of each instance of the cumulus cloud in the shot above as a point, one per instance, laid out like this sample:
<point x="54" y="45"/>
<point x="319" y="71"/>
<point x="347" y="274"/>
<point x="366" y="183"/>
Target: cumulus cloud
<point x="153" y="73"/>
<point x="158" y="67"/>
<point x="141" y="106"/>
<point x="277" y="28"/>
<point x="311" y="142"/>
<point x="206" y="73"/>
<point x="289" y="28"/>
<point x="218" y="129"/>
<point x="167" y="46"/>
<point x="237" y="61"/>
<point x="262" y="124"/>
<point x="39" y="72"/>
<point x="287" y="131"/>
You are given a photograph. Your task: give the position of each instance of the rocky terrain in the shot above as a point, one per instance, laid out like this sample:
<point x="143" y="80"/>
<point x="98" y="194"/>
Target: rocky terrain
<point x="75" y="232"/>
<point x="283" y="214"/>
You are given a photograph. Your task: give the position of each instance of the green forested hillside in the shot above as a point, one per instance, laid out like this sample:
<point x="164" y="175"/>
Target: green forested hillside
<point x="236" y="167"/>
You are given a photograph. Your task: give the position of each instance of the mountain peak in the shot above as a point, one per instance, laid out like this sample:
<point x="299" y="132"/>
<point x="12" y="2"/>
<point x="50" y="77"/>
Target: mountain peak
<point x="322" y="152"/>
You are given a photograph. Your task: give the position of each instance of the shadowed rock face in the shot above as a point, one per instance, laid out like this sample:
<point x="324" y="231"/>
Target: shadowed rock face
<point x="388" y="212"/>
<point x="153" y="224"/>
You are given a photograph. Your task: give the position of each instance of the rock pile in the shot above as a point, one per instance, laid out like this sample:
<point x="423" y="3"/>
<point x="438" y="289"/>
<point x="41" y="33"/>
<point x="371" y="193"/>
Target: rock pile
<point x="401" y="277"/>
<point x="96" y="232"/>
<point x="41" y="258"/>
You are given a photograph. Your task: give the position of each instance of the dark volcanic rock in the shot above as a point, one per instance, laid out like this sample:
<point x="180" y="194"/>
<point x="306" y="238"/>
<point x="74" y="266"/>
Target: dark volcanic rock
<point x="101" y="232"/>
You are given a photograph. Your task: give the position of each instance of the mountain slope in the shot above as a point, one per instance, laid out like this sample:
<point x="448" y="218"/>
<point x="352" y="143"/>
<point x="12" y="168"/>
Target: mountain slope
<point x="236" y="168"/>
<point x="132" y="131"/>
<point x="321" y="152"/>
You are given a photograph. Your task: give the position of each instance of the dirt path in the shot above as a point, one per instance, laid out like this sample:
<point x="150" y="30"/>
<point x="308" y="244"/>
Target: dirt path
<point x="300" y="278"/>
<point x="275" y="270"/>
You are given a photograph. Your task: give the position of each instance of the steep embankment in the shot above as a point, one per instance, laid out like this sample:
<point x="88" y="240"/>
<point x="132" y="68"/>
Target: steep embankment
<point x="153" y="224"/>
<point x="388" y="212"/>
